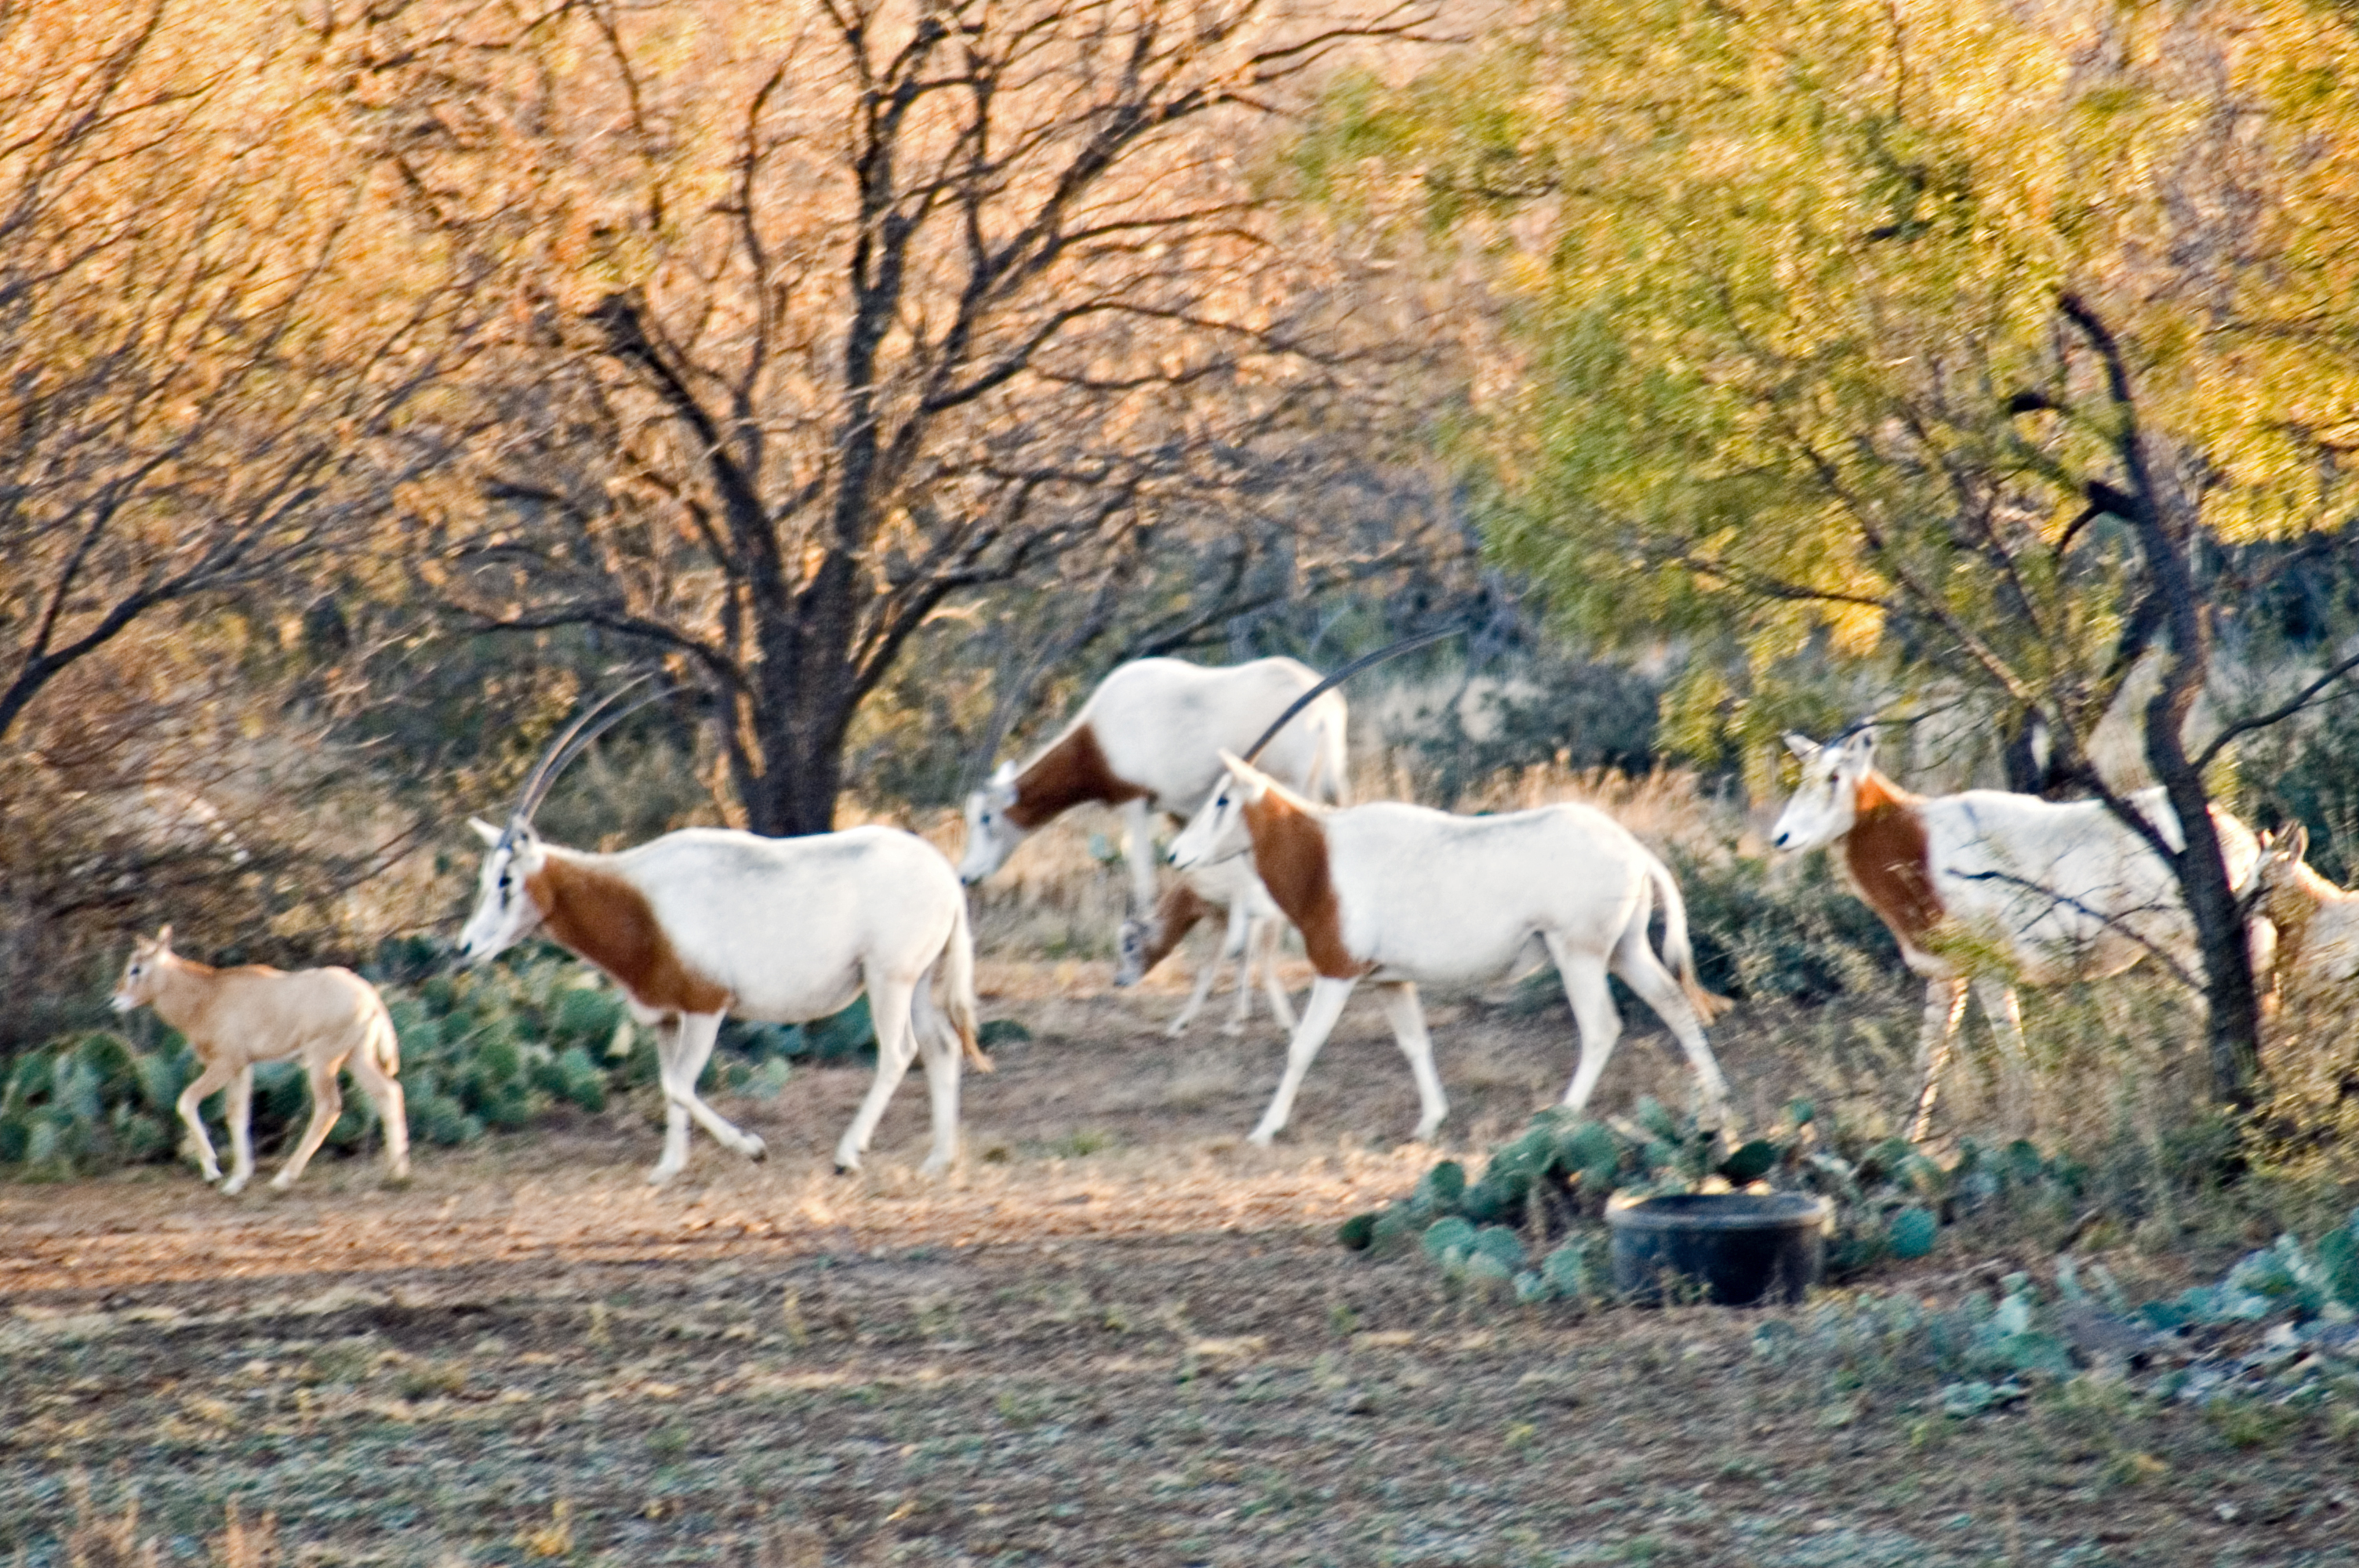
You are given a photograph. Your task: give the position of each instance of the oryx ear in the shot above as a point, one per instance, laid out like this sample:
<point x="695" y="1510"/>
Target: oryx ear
<point x="1251" y="782"/>
<point x="1801" y="745"/>
<point x="164" y="938"/>
<point x="2292" y="844"/>
<point x="1005" y="773"/>
<point x="484" y="830"/>
<point x="1859" y="747"/>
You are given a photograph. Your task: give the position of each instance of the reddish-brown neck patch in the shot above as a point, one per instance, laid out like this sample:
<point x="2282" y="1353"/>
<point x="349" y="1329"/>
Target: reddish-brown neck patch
<point x="605" y="919"/>
<point x="1290" y="857"/>
<point x="1068" y="773"/>
<point x="1176" y="915"/>
<point x="1886" y="856"/>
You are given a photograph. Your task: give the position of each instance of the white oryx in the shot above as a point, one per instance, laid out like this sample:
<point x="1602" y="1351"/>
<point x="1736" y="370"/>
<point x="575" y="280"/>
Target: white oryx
<point x="707" y="922"/>
<point x="2317" y="922"/>
<point x="1254" y="924"/>
<point x="1398" y="893"/>
<point x="235" y="1018"/>
<point x="1148" y="740"/>
<point x="1986" y="890"/>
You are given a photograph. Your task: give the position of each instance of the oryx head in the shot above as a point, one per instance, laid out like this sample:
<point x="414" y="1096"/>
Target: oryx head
<point x="991" y="837"/>
<point x="1826" y="802"/>
<point x="504" y="911"/>
<point x="1130" y="952"/>
<point x="1217" y="832"/>
<point x="513" y="855"/>
<point x="2281" y="852"/>
<point x="140" y="976"/>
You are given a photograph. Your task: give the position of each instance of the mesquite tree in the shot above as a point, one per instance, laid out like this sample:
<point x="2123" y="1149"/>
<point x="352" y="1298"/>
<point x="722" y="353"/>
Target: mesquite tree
<point x="191" y="403"/>
<point x="834" y="315"/>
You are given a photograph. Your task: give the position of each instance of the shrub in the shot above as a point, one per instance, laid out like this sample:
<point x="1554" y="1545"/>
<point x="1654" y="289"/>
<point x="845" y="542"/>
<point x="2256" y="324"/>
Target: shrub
<point x="1890" y="1197"/>
<point x="1760" y="929"/>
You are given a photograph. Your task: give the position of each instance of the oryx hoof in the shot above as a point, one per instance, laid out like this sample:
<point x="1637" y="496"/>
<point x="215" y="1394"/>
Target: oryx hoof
<point x="1262" y="1138"/>
<point x="1235" y="1030"/>
<point x="661" y="1175"/>
<point x="755" y="1150"/>
<point x="233" y="1186"/>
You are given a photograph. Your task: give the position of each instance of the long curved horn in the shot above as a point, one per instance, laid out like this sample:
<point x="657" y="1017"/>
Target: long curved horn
<point x="578" y="737"/>
<point x="1346" y="673"/>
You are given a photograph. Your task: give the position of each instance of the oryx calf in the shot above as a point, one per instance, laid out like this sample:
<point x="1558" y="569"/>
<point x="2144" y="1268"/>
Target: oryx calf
<point x="1253" y="926"/>
<point x="1146" y="741"/>
<point x="2317" y="922"/>
<point x="1399" y="894"/>
<point x="707" y="922"/>
<point x="235" y="1018"/>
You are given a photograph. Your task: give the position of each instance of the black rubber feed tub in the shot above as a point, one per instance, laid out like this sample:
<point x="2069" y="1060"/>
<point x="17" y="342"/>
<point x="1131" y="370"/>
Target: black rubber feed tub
<point x="1735" y="1248"/>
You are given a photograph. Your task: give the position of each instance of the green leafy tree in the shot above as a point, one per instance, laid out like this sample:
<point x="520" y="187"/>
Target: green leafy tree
<point x="1942" y="339"/>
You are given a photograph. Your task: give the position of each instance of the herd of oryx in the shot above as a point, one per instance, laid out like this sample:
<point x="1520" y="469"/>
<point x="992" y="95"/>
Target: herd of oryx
<point x="704" y="922"/>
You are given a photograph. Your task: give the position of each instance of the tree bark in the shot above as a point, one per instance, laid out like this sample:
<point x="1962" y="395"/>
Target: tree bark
<point x="2232" y="1042"/>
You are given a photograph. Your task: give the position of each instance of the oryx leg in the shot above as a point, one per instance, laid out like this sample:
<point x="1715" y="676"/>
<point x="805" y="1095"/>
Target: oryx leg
<point x="896" y="1046"/>
<point x="1318" y="1016"/>
<point x="1945" y="1007"/>
<point x="1593" y="1016"/>
<point x="938" y="1043"/>
<point x="1206" y="973"/>
<point x="1407" y="1018"/>
<point x="327" y="1104"/>
<point x="1268" y="931"/>
<point x="2001" y="1006"/>
<point x="1642" y="972"/>
<point x="392" y="1110"/>
<point x="238" y="1111"/>
<point x="1238" y="944"/>
<point x="1139" y="848"/>
<point x="681" y="1061"/>
<point x="208" y="1083"/>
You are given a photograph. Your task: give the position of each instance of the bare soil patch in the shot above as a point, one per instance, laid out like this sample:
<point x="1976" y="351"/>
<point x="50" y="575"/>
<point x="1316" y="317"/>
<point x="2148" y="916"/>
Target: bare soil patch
<point x="1115" y="1333"/>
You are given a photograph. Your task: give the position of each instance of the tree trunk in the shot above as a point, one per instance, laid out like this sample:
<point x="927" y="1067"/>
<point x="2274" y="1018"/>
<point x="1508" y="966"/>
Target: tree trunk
<point x="789" y="768"/>
<point x="2166" y="528"/>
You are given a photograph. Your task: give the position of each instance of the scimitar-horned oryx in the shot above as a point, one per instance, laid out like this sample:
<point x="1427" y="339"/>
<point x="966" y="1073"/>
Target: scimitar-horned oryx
<point x="1987" y="890"/>
<point x="235" y="1018"/>
<point x="1254" y="924"/>
<point x="706" y="922"/>
<point x="1149" y="740"/>
<point x="1398" y="894"/>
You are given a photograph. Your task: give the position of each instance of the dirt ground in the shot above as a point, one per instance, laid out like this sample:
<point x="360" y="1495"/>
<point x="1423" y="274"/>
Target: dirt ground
<point x="1115" y="1334"/>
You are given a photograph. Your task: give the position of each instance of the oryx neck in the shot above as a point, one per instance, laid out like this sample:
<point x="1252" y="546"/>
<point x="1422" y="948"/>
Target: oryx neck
<point x="1071" y="771"/>
<point x="183" y="989"/>
<point x="1290" y="847"/>
<point x="1890" y="861"/>
<point x="1874" y="793"/>
<point x="1177" y="913"/>
<point x="589" y="906"/>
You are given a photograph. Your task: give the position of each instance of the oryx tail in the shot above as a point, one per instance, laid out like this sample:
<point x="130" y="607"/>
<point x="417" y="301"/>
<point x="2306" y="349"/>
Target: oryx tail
<point x="382" y="1043"/>
<point x="954" y="978"/>
<point x="1678" y="954"/>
